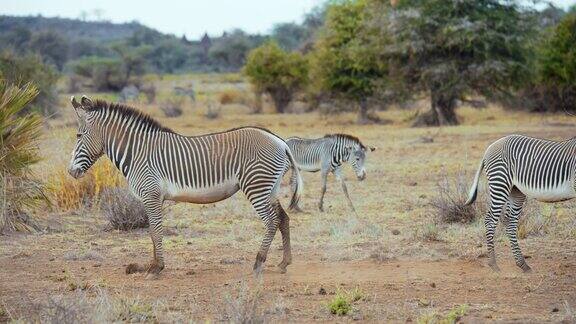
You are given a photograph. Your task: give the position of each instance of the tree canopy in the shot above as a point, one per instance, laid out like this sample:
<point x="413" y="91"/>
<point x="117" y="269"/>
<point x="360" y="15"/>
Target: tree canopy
<point x="276" y="72"/>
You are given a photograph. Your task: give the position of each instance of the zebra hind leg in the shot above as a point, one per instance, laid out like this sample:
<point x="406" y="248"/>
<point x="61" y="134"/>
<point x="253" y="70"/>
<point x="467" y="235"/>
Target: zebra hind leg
<point x="271" y="221"/>
<point x="516" y="201"/>
<point x="285" y="231"/>
<point x="498" y="197"/>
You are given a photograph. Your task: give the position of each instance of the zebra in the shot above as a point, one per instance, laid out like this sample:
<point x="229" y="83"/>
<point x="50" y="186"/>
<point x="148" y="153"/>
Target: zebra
<point x="160" y="164"/>
<point x="327" y="154"/>
<point x="517" y="167"/>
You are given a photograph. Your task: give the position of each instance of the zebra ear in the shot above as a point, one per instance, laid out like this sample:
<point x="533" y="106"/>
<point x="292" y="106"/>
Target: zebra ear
<point x="78" y="109"/>
<point x="86" y="102"/>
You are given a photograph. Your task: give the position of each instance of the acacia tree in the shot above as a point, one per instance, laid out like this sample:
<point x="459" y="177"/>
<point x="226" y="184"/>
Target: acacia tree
<point x="278" y="73"/>
<point x="453" y="48"/>
<point x="344" y="64"/>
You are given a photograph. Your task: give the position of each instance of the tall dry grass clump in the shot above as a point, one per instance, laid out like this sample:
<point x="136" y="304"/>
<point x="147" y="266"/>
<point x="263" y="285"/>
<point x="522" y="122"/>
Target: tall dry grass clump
<point x="19" y="190"/>
<point x="234" y="96"/>
<point x="67" y="193"/>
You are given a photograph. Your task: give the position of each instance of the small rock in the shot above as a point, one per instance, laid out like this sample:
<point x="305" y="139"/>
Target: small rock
<point x="52" y="259"/>
<point x="555" y="310"/>
<point x="97" y="265"/>
<point x="413" y="184"/>
<point x="322" y="291"/>
<point x="423" y="302"/>
<point x="190" y="272"/>
<point x="433" y="285"/>
<point x="395" y="232"/>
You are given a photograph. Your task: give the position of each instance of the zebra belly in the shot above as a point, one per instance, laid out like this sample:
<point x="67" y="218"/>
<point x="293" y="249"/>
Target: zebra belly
<point x="309" y="168"/>
<point x="562" y="192"/>
<point x="206" y="195"/>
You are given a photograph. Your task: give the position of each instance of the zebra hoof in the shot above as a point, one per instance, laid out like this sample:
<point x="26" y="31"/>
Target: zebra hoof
<point x="526" y="268"/>
<point x="134" y="268"/>
<point x="494" y="267"/>
<point x="154" y="268"/>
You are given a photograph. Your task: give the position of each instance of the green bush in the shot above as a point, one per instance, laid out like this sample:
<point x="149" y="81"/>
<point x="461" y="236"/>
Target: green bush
<point x="18" y="152"/>
<point x="29" y="68"/>
<point x="555" y="89"/>
<point x="276" y="72"/>
<point x="104" y="73"/>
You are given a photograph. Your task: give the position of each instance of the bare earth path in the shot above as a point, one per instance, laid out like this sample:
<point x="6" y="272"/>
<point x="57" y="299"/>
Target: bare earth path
<point x="397" y="290"/>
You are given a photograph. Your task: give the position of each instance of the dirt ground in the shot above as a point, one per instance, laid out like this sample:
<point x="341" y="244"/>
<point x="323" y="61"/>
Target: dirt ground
<point x="392" y="255"/>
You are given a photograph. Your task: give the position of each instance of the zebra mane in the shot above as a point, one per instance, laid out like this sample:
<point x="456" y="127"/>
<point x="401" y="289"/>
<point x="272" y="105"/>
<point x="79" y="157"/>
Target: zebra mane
<point x="128" y="112"/>
<point x="346" y="136"/>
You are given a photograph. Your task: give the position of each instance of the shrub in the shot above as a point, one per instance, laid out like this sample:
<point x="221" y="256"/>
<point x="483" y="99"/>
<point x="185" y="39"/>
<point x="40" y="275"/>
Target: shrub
<point x="172" y="106"/>
<point x="212" y="112"/>
<point x="276" y="72"/>
<point x="21" y="69"/>
<point x="104" y="73"/>
<point x="18" y="152"/>
<point x="233" y="96"/>
<point x="122" y="210"/>
<point x="451" y="194"/>
<point x="340" y="305"/>
<point x="67" y="193"/>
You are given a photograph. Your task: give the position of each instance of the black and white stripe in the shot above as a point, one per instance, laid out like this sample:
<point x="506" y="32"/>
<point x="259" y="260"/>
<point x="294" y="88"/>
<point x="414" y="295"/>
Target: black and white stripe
<point x="327" y="154"/>
<point x="517" y="167"/>
<point x="160" y="164"/>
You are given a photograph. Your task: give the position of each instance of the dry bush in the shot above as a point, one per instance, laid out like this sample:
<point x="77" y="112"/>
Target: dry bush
<point x="67" y="193"/>
<point x="212" y="111"/>
<point x="233" y="96"/>
<point x="173" y="106"/>
<point x="451" y="194"/>
<point x="244" y="308"/>
<point x="122" y="210"/>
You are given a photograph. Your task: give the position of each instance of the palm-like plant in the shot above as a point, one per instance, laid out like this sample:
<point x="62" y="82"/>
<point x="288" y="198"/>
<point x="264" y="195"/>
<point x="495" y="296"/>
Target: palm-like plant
<point x="18" y="152"/>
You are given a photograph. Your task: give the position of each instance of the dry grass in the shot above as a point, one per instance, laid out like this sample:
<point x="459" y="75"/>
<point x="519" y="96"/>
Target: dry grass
<point x="173" y="106"/>
<point x="67" y="193"/>
<point x="246" y="307"/>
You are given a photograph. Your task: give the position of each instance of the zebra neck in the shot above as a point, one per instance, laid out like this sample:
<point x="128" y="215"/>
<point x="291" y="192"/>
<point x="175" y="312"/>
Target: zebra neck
<point x="124" y="144"/>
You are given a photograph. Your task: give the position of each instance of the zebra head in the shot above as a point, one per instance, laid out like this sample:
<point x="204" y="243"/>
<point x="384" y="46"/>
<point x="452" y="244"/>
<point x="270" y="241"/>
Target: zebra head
<point x="89" y="145"/>
<point x="357" y="158"/>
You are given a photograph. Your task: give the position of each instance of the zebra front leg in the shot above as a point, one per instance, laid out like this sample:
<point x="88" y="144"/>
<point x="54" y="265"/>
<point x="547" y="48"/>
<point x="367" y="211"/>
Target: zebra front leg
<point x="271" y="220"/>
<point x="285" y="231"/>
<point x="516" y="202"/>
<point x="153" y="209"/>
<point x="340" y="178"/>
<point x="323" y="190"/>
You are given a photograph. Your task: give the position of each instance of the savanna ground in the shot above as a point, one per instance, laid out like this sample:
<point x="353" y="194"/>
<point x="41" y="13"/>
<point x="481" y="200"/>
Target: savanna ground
<point x="392" y="260"/>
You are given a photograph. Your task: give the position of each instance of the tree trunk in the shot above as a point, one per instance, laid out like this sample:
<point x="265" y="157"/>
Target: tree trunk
<point x="363" y="112"/>
<point x="441" y="113"/>
<point x="258" y="102"/>
<point x="281" y="100"/>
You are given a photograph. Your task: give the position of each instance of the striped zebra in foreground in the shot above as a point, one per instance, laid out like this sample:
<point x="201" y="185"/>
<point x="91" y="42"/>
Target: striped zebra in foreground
<point x="162" y="165"/>
<point x="327" y="154"/>
<point x="517" y="167"/>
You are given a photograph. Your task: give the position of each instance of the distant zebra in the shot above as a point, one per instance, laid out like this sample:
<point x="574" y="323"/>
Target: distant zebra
<point x="160" y="164"/>
<point x="327" y="154"/>
<point x="518" y="167"/>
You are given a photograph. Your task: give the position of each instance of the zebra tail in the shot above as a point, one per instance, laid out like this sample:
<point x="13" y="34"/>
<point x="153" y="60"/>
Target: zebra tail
<point x="299" y="184"/>
<point x="474" y="189"/>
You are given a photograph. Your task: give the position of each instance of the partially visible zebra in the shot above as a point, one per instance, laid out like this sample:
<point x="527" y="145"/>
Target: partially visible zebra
<point x="160" y="164"/>
<point x="518" y="167"/>
<point x="327" y="154"/>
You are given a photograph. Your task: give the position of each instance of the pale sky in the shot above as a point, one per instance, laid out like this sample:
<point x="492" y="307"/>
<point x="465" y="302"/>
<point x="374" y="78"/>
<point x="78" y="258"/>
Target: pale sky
<point x="190" y="17"/>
